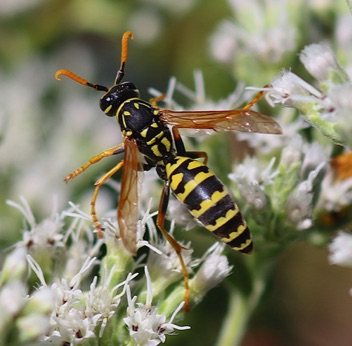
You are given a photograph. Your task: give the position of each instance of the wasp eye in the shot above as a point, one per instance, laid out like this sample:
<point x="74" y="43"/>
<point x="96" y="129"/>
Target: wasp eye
<point x="106" y="104"/>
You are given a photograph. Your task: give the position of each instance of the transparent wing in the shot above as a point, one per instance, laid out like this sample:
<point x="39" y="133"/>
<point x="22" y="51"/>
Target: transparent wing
<point x="127" y="211"/>
<point x="222" y="120"/>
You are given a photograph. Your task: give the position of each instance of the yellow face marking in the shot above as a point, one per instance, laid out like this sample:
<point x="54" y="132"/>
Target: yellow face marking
<point x="126" y="113"/>
<point x="155" y="112"/>
<point x="208" y="203"/>
<point x="176" y="180"/>
<point x="136" y="105"/>
<point x="155" y="125"/>
<point x="107" y="109"/>
<point x="222" y="220"/>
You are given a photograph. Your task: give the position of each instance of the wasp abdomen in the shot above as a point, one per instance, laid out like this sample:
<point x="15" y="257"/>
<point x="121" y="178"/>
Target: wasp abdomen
<point x="208" y="200"/>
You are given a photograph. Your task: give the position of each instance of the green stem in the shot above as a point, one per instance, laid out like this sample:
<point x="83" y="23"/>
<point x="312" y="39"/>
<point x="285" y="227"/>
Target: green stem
<point x="236" y="320"/>
<point x="240" y="310"/>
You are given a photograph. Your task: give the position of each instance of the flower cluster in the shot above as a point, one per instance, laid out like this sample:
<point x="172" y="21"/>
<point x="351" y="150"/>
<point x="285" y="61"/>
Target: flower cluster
<point x="59" y="285"/>
<point x="72" y="305"/>
<point x="327" y="107"/>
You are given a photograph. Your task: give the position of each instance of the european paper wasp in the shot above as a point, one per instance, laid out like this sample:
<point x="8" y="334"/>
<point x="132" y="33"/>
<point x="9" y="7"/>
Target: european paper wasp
<point x="146" y="132"/>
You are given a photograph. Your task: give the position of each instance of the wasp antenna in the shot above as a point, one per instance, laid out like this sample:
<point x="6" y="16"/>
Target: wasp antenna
<point x="124" y="54"/>
<point x="79" y="80"/>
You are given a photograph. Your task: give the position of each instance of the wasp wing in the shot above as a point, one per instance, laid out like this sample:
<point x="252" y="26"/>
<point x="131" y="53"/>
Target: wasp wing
<point x="244" y="120"/>
<point x="127" y="211"/>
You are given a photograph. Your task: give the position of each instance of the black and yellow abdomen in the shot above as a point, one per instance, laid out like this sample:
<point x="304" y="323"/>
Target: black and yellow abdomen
<point x="208" y="201"/>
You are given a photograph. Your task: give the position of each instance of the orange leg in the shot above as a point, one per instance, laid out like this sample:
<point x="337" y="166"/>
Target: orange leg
<point x="164" y="200"/>
<point x="98" y="185"/>
<point x="106" y="153"/>
<point x="154" y="101"/>
<point x="180" y="147"/>
<point x="256" y="98"/>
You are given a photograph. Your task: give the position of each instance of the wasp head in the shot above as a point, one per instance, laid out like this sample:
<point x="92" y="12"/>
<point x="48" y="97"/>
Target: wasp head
<point x="116" y="95"/>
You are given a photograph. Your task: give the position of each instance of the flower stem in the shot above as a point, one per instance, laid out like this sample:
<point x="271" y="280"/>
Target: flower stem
<point x="236" y="320"/>
<point x="240" y="311"/>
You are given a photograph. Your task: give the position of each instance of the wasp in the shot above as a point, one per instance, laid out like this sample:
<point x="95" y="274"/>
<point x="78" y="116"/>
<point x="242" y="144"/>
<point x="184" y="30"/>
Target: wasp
<point x="152" y="140"/>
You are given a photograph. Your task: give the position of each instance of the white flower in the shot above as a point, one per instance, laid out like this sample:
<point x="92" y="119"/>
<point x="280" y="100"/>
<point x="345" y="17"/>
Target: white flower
<point x="146" y="326"/>
<point x="328" y="109"/>
<point x="165" y="267"/>
<point x="14" y="267"/>
<point x="343" y="34"/>
<point x="261" y="29"/>
<point x="198" y="98"/>
<point x="334" y="194"/>
<point x="320" y="61"/>
<point x="290" y="90"/>
<point x="253" y="170"/>
<point x="31" y="327"/>
<point x="314" y="156"/>
<point x="340" y="96"/>
<point x="251" y="177"/>
<point x="46" y="236"/>
<point x="179" y="213"/>
<point x="77" y="314"/>
<point x="69" y="321"/>
<point x="12" y="299"/>
<point x="299" y="207"/>
<point x="214" y="269"/>
<point x="341" y="250"/>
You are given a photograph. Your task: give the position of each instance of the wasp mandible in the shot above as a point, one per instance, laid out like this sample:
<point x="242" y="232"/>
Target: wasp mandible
<point x="146" y="132"/>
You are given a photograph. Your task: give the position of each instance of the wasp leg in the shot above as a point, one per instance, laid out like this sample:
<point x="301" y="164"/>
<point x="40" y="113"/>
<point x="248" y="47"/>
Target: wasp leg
<point x="255" y="99"/>
<point x="98" y="185"/>
<point x="106" y="153"/>
<point x="154" y="101"/>
<point x="164" y="201"/>
<point x="180" y="147"/>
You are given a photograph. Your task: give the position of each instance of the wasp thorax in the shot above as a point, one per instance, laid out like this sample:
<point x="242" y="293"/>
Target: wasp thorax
<point x="117" y="94"/>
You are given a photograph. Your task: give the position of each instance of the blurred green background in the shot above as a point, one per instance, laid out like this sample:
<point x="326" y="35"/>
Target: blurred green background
<point x="49" y="128"/>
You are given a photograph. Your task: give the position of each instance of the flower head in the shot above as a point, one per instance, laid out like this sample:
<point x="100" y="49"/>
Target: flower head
<point x="146" y="326"/>
<point x="321" y="63"/>
<point x="341" y="249"/>
<point x="214" y="269"/>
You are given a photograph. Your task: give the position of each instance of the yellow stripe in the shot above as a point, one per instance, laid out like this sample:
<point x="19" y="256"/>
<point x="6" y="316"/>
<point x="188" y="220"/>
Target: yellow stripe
<point x="158" y="136"/>
<point x="166" y="143"/>
<point x="208" y="203"/>
<point x="243" y="246"/>
<point x="170" y="168"/>
<point x="222" y="220"/>
<point x="192" y="184"/>
<point x="176" y="180"/>
<point x="235" y="234"/>
<point x="155" y="150"/>
<point x="194" y="164"/>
